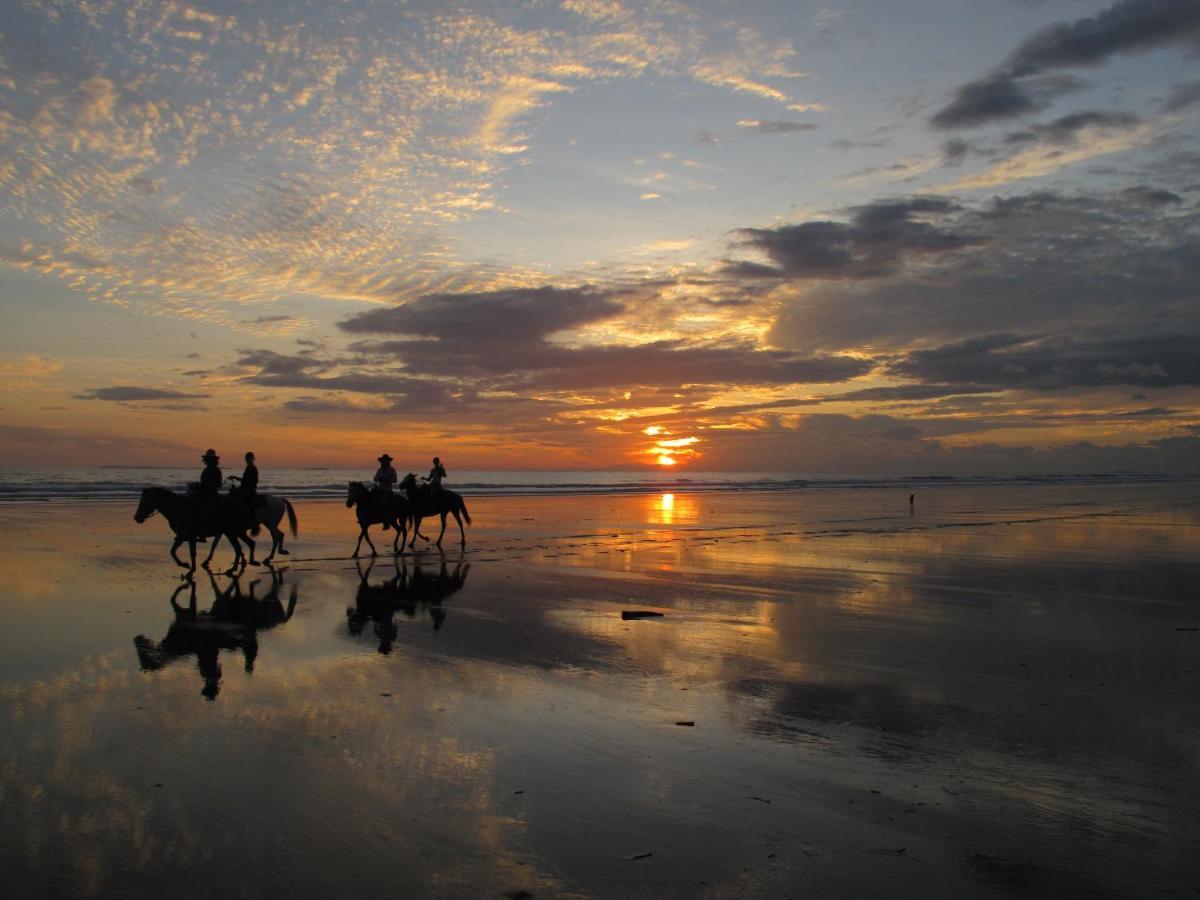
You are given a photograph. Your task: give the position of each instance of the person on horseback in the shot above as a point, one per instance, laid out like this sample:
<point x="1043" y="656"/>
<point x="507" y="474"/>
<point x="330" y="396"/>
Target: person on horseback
<point x="433" y="482"/>
<point x="385" y="479"/>
<point x="247" y="484"/>
<point x="246" y="488"/>
<point x="210" y="478"/>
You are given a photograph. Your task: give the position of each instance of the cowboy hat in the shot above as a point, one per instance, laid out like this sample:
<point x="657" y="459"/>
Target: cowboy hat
<point x="210" y="453"/>
<point x="385" y="458"/>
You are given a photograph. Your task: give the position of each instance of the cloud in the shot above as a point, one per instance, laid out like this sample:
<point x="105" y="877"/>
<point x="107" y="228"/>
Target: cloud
<point x="879" y="239"/>
<point x="512" y="317"/>
<point x="1045" y="263"/>
<point x="1054" y="363"/>
<point x="775" y="126"/>
<point x="1018" y="86"/>
<point x="1182" y="96"/>
<point x="1067" y="129"/>
<point x="129" y="394"/>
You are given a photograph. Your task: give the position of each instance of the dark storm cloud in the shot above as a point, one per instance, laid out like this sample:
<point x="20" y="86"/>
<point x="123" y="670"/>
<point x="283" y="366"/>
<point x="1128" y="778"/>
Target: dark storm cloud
<point x="1015" y="88"/>
<point x="877" y="241"/>
<point x="1053" y="363"/>
<point x="129" y="393"/>
<point x="517" y="317"/>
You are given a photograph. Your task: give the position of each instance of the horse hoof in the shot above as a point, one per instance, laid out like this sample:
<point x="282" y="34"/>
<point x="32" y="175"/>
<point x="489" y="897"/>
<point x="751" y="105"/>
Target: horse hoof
<point x="283" y="552"/>
<point x="255" y="562"/>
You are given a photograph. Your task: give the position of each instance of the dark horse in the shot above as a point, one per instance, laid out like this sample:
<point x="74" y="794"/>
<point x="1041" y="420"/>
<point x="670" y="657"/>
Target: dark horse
<point x="367" y="511"/>
<point x="424" y="503"/>
<point x="226" y="517"/>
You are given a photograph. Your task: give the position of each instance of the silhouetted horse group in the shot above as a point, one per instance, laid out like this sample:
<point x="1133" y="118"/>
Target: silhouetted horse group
<point x="195" y="519"/>
<point x="396" y="510"/>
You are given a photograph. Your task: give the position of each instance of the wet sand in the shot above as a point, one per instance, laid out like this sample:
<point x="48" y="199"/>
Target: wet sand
<point x="993" y="695"/>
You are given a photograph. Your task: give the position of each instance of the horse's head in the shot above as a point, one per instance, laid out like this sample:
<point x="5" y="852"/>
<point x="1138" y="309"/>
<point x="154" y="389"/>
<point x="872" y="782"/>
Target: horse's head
<point x="146" y="507"/>
<point x="354" y="493"/>
<point x="408" y="481"/>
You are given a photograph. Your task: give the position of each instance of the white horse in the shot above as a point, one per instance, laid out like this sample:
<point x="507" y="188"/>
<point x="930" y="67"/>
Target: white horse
<point x="269" y="510"/>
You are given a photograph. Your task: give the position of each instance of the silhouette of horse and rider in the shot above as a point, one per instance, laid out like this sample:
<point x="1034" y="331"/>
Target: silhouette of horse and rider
<point x="379" y="504"/>
<point x="407" y="592"/>
<point x="203" y="512"/>
<point x="231" y="623"/>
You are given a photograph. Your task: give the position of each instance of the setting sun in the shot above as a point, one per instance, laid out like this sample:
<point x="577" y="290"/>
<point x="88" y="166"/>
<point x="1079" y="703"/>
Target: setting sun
<point x="665" y="460"/>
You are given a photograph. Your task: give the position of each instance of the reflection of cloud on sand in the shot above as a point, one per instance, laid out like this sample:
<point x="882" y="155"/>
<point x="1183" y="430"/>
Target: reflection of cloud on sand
<point x="83" y="813"/>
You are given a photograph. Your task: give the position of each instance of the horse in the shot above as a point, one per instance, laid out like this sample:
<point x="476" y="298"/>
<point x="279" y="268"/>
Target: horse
<point x="269" y="510"/>
<point x="367" y="511"/>
<point x="424" y="503"/>
<point x="226" y="517"/>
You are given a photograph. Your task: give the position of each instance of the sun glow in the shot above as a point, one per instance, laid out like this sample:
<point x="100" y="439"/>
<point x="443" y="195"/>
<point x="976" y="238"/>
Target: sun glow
<point x="665" y="460"/>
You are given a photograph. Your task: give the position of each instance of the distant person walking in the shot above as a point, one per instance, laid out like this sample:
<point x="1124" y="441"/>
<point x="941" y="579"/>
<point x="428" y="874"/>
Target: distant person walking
<point x="385" y="479"/>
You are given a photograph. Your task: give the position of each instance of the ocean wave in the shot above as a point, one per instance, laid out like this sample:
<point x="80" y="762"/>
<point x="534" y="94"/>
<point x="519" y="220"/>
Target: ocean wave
<point x="111" y="484"/>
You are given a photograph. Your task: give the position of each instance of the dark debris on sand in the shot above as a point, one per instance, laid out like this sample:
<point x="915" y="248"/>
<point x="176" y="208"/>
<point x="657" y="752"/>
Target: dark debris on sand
<point x="628" y="614"/>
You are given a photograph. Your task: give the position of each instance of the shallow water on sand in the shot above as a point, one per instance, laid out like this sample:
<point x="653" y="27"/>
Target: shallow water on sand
<point x="991" y="694"/>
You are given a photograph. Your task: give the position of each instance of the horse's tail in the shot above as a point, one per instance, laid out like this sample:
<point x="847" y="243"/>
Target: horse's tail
<point x="463" y="506"/>
<point x="292" y="526"/>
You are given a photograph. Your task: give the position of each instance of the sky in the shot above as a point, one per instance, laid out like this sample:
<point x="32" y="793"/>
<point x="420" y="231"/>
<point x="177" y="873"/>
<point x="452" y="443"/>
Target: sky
<point x="855" y="237"/>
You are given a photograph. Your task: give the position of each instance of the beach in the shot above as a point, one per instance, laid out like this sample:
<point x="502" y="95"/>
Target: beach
<point x="991" y="692"/>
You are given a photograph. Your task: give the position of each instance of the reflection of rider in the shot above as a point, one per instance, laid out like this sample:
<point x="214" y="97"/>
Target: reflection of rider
<point x="436" y="474"/>
<point x="384" y="479"/>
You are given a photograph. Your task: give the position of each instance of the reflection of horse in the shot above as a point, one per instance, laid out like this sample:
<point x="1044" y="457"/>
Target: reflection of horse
<point x="406" y="592"/>
<point x="424" y="502"/>
<point x="367" y="503"/>
<point x="232" y="623"/>
<point x="269" y="510"/>
<point x="192" y="518"/>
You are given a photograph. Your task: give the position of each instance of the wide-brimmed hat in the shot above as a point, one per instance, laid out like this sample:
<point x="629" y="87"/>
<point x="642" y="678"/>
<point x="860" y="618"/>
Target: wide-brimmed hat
<point x="385" y="458"/>
<point x="210" y="453"/>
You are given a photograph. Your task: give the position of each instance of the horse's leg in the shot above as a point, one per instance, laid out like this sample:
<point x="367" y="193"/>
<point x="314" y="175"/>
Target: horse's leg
<point x="249" y="542"/>
<point x="192" y="551"/>
<point x="462" y="533"/>
<point x="416" y="532"/>
<point x="238" y="556"/>
<point x="442" y="533"/>
<point x="362" y="531"/>
<point x="212" y="548"/>
<point x="175" y="556"/>
<point x="276" y="540"/>
<point x="369" y="544"/>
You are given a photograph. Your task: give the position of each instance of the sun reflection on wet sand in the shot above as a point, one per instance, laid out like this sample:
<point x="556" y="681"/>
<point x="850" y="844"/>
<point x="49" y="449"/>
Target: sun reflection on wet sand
<point x="481" y="722"/>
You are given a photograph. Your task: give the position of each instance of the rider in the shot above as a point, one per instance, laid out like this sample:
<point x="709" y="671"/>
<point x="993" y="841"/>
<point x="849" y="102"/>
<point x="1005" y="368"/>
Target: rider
<point x="434" y="479"/>
<point x="385" y="479"/>
<point x="210" y="478"/>
<point x="247" y="485"/>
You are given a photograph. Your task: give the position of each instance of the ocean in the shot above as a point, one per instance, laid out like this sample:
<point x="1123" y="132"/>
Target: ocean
<point x="124" y="483"/>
